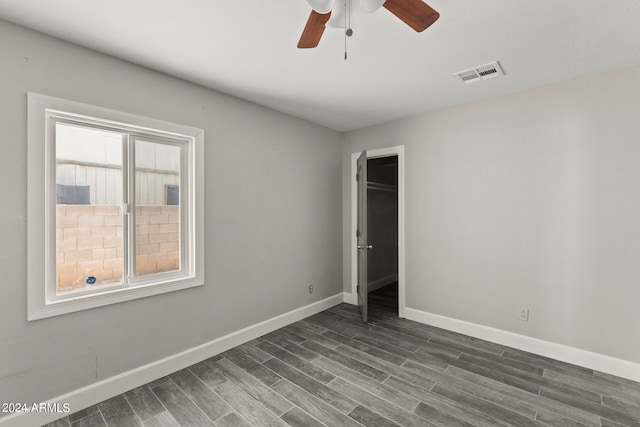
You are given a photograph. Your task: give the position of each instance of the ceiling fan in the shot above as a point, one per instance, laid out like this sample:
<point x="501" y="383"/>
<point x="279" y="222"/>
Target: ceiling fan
<point x="415" y="13"/>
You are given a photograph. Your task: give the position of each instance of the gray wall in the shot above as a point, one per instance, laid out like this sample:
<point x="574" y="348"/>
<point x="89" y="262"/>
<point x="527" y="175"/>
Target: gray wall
<point x="530" y="200"/>
<point x="273" y="203"/>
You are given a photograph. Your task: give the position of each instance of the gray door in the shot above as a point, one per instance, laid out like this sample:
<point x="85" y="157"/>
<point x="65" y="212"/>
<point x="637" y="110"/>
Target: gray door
<point x="363" y="245"/>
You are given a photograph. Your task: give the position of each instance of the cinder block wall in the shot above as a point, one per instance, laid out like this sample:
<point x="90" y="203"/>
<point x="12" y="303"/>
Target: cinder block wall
<point x="89" y="242"/>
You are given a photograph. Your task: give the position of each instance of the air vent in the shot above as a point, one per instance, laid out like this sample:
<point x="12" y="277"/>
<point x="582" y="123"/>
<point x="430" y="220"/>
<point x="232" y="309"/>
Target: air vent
<point x="483" y="72"/>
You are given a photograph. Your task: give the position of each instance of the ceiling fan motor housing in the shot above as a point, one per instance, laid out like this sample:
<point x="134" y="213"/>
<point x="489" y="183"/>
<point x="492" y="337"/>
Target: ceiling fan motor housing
<point x="326" y="6"/>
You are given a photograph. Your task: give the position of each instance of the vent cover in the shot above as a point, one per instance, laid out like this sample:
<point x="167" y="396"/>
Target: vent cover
<point x="483" y="72"/>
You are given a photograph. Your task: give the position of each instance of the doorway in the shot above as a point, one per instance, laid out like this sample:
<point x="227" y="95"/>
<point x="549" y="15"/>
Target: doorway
<point x="385" y="231"/>
<point x="382" y="234"/>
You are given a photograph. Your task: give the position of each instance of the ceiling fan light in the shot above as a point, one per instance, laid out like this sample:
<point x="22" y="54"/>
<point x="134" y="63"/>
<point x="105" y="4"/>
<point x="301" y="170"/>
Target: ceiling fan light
<point x="371" y="5"/>
<point x="321" y="6"/>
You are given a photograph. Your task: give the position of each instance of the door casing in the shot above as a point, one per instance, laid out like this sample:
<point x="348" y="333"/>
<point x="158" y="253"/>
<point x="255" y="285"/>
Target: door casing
<point x="372" y="154"/>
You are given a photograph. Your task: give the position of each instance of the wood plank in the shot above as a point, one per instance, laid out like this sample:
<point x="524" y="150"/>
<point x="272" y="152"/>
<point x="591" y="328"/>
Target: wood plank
<point x="254" y="388"/>
<point x="336" y="324"/>
<point x="544" y="362"/>
<point x="589" y="406"/>
<point x="554" y="419"/>
<point x="424" y="359"/>
<point x="157" y="382"/>
<point x="401" y="326"/>
<point x="312" y="336"/>
<point x="250" y="350"/>
<point x="200" y="394"/>
<point x="296" y="417"/>
<point x="524" y="408"/>
<point x="62" y="422"/>
<point x="630" y="407"/>
<point x="609" y="423"/>
<point x="163" y="419"/>
<point x="208" y="373"/>
<point x="117" y="411"/>
<point x="287" y="335"/>
<point x="395" y="396"/>
<point x="93" y="420"/>
<point x="290" y="346"/>
<point x="493" y="360"/>
<point x="313" y="387"/>
<point x="438" y="350"/>
<point x="378" y="405"/>
<point x="485" y="406"/>
<point x="304" y="323"/>
<point x="365" y="348"/>
<point x="596" y="385"/>
<point x="367" y="417"/>
<point x="386" y="367"/>
<point x="437" y="416"/>
<point x="341" y="310"/>
<point x="254" y="368"/>
<point x="516" y="399"/>
<point x="251" y="410"/>
<point x="144" y="403"/>
<point x="180" y="406"/>
<point x="232" y="420"/>
<point x="356" y="365"/>
<point x="443" y="404"/>
<point x="397" y="339"/>
<point x="514" y="381"/>
<point x="612" y="379"/>
<point x="298" y="363"/>
<point x="83" y="413"/>
<point x="314" y="406"/>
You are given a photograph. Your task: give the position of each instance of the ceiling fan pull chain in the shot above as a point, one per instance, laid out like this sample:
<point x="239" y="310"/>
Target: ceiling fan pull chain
<point x="345" y="27"/>
<point x="348" y="6"/>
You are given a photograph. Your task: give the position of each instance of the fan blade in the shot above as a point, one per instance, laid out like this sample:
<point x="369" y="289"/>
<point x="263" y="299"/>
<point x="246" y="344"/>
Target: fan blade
<point x="313" y="30"/>
<point x="415" y="13"/>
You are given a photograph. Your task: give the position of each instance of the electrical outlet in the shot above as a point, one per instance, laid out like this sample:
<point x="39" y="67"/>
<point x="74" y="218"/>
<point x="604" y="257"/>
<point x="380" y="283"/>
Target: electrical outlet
<point x="523" y="314"/>
<point x="310" y="289"/>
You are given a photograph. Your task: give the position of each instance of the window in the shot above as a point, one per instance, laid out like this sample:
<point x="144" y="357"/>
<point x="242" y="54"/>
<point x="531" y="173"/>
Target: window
<point x="115" y="207"/>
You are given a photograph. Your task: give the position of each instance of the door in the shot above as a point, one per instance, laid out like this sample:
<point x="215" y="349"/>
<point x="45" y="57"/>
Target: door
<point x="361" y="234"/>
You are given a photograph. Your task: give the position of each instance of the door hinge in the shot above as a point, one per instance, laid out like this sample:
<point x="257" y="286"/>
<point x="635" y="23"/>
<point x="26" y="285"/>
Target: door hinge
<point x="357" y="177"/>
<point x="358" y="233"/>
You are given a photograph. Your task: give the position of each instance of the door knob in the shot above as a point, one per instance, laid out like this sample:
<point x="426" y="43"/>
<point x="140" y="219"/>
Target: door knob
<point x="361" y="247"/>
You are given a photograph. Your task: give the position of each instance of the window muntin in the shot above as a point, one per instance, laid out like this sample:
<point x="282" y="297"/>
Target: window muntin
<point x="44" y="186"/>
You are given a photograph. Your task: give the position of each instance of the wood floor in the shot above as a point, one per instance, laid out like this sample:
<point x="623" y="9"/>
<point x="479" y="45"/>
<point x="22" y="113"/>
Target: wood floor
<point x="333" y="370"/>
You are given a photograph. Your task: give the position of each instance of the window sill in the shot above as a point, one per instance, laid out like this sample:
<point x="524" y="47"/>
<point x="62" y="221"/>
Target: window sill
<point x="85" y="302"/>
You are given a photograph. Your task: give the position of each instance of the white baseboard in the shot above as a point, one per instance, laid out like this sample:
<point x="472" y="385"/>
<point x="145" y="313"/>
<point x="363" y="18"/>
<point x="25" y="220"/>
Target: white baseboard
<point x="576" y="356"/>
<point x="377" y="284"/>
<point x="107" y="388"/>
<point x="350" y="298"/>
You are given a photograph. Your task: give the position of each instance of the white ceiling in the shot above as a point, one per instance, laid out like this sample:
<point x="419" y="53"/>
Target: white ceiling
<point x="247" y="48"/>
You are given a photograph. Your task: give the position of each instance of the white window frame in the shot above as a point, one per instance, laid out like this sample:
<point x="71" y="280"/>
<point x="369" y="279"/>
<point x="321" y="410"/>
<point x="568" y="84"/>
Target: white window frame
<point x="43" y="112"/>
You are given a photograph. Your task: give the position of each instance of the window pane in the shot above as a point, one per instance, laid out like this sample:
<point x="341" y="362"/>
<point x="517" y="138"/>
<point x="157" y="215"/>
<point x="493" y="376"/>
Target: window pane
<point x="157" y="207"/>
<point x="88" y="208"/>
